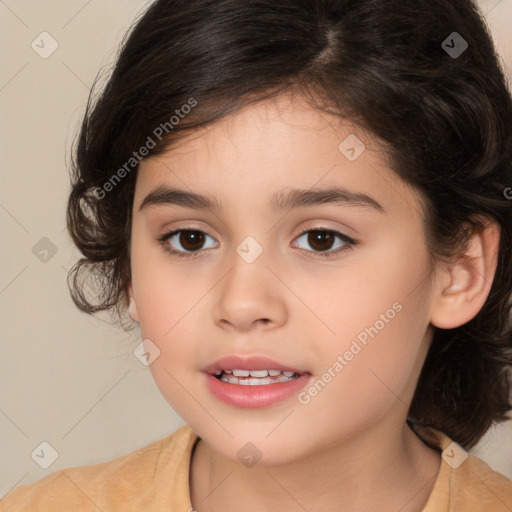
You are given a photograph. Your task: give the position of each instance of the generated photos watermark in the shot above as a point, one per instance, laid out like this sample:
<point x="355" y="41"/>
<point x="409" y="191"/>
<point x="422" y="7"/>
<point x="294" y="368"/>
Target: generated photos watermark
<point x="319" y="384"/>
<point x="137" y="156"/>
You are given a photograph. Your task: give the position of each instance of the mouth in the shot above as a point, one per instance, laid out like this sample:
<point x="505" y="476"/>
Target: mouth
<point x="253" y="382"/>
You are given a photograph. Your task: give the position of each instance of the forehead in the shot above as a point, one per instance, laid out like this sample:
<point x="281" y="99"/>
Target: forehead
<point x="273" y="146"/>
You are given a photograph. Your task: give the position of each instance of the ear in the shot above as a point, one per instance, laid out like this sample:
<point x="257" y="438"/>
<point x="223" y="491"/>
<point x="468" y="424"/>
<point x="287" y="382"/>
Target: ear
<point x="462" y="289"/>
<point x="132" y="309"/>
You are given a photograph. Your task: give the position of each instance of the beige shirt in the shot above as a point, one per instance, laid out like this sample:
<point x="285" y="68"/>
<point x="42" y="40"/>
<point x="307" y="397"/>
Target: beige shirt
<point x="156" y="478"/>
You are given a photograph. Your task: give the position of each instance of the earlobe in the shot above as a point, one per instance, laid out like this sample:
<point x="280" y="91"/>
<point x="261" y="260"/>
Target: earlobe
<point x="132" y="309"/>
<point x="463" y="288"/>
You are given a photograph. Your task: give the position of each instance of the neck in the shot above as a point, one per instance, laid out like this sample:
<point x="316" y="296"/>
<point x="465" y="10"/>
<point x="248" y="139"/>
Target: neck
<point x="389" y="469"/>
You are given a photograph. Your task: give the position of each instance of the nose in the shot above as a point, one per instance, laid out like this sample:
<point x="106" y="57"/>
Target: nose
<point x="250" y="297"/>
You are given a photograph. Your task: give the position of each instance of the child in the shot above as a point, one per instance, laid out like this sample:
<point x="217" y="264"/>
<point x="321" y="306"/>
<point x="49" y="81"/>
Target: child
<point x="305" y="206"/>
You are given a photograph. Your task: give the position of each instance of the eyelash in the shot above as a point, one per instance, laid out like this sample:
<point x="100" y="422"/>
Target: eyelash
<point x="350" y="243"/>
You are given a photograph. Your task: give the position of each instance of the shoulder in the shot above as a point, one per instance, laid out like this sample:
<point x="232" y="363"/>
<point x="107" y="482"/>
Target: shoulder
<point x="465" y="482"/>
<point x="128" y="482"/>
<point x="475" y="483"/>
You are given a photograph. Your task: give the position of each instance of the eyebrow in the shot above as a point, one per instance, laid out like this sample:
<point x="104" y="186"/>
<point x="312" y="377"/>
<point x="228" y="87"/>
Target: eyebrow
<point x="286" y="199"/>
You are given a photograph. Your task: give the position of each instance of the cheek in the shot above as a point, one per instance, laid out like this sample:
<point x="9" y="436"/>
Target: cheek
<point x="168" y="305"/>
<point x="377" y="321"/>
<point x="376" y="379"/>
<point x="167" y="293"/>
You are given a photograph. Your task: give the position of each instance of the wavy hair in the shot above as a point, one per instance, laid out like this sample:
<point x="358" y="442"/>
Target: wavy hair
<point x="398" y="69"/>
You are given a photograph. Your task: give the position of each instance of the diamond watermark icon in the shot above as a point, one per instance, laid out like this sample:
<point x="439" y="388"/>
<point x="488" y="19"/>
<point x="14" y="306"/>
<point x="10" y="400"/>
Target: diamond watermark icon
<point x="454" y="455"/>
<point x="249" y="250"/>
<point x="146" y="352"/>
<point x="249" y="454"/>
<point x="44" y="45"/>
<point x="44" y="455"/>
<point x="352" y="147"/>
<point x="44" y="250"/>
<point x="454" y="45"/>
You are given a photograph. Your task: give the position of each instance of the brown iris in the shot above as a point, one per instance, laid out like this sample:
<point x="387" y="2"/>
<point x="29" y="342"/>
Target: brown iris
<point x="191" y="238"/>
<point x="324" y="238"/>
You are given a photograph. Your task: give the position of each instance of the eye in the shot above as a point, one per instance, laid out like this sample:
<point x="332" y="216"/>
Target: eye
<point x="322" y="240"/>
<point x="190" y="240"/>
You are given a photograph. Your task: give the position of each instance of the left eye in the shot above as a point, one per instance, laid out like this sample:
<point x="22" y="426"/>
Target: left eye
<point x="192" y="240"/>
<point x="322" y="240"/>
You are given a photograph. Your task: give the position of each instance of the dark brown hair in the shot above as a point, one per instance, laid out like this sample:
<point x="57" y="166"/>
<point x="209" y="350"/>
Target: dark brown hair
<point x="441" y="110"/>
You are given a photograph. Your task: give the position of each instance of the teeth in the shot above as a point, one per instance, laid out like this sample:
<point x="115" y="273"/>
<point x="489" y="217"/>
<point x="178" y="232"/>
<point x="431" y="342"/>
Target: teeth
<point x="257" y="377"/>
<point x="254" y="377"/>
<point x="261" y="382"/>
<point x="259" y="373"/>
<point x="241" y="373"/>
<point x="255" y="373"/>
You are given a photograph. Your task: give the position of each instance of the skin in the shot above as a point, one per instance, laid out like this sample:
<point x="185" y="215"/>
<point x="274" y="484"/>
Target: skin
<point x="349" y="448"/>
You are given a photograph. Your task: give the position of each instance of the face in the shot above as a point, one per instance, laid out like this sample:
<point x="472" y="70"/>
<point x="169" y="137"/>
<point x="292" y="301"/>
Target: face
<point x="337" y="290"/>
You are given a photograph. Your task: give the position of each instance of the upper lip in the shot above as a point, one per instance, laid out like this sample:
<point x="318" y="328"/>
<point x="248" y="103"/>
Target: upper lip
<point x="248" y="363"/>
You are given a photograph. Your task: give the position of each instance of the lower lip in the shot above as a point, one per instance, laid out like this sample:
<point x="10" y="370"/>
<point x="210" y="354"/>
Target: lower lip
<point x="254" y="397"/>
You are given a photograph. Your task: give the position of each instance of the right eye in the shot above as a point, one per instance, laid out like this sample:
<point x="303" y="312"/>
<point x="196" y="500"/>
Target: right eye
<point x="191" y="240"/>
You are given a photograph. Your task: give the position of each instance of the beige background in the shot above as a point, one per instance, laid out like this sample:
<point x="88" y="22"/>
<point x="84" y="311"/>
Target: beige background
<point x="66" y="378"/>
